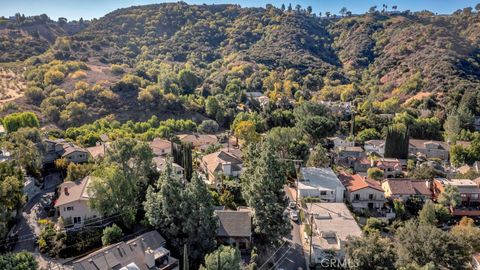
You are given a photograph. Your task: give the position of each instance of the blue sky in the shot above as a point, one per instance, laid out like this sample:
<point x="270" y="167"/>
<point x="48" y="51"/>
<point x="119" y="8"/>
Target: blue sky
<point x="74" y="9"/>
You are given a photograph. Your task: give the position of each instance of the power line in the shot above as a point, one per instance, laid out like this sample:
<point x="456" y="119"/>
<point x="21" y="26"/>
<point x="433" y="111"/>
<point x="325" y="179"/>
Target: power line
<point x="284" y="241"/>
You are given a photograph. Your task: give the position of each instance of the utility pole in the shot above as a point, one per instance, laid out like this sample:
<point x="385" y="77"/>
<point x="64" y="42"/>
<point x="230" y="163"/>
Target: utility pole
<point x="228" y="140"/>
<point x="298" y="164"/>
<point x="311" y="238"/>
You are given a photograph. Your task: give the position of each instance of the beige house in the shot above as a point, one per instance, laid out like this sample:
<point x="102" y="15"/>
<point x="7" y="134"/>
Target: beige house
<point x="221" y="163"/>
<point x="97" y="151"/>
<point x="403" y="189"/>
<point x="72" y="203"/>
<point x="198" y="141"/>
<point x="160" y="147"/>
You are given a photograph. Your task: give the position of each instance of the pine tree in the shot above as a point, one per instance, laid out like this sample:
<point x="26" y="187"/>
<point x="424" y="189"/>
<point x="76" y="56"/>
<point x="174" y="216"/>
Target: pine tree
<point x="263" y="192"/>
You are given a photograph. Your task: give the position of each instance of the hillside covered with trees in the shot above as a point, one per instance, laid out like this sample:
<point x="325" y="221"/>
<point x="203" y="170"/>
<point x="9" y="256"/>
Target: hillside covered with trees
<point x="144" y="60"/>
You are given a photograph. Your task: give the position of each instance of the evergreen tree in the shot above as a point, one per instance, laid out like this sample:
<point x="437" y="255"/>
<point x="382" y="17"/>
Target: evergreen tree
<point x="263" y="192"/>
<point x="396" y="142"/>
<point x="184" y="216"/>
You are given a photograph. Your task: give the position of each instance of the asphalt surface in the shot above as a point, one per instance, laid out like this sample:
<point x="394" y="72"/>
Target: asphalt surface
<point x="291" y="255"/>
<point x="27" y="227"/>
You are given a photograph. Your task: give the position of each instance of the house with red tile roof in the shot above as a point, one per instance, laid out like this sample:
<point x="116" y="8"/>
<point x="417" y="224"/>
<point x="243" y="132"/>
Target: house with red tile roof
<point x="362" y="193"/>
<point x="391" y="167"/>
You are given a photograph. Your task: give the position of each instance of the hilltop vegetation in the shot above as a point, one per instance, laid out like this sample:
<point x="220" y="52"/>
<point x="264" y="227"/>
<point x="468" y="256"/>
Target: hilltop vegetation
<point x="176" y="58"/>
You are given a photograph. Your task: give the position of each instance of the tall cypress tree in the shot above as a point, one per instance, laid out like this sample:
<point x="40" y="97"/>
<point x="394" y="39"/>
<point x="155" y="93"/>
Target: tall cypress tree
<point x="397" y="142"/>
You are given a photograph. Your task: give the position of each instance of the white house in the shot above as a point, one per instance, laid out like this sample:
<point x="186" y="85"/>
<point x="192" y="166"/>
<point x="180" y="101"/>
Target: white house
<point x="320" y="183"/>
<point x="72" y="203"/>
<point x="363" y="193"/>
<point x="340" y="142"/>
<point x="221" y="163"/>
<point x="333" y="224"/>
<point x="161" y="165"/>
<point x="375" y="146"/>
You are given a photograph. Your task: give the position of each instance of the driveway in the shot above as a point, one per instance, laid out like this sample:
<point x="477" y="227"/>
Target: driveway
<point x="27" y="227"/>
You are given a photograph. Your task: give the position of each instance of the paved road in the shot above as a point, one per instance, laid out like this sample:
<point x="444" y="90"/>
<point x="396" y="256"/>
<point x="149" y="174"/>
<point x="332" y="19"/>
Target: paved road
<point x="27" y="226"/>
<point x="291" y="256"/>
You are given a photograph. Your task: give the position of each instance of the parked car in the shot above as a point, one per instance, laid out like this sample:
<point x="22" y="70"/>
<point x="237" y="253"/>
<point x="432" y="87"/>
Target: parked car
<point x="294" y="215"/>
<point x="292" y="205"/>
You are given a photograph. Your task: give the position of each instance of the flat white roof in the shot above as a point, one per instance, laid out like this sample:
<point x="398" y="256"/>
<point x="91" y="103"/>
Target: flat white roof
<point x="332" y="219"/>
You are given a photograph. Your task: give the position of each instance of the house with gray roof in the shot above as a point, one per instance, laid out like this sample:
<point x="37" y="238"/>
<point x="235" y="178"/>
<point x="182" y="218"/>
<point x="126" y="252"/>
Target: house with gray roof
<point x="235" y="228"/>
<point x="320" y="183"/>
<point x="145" y="252"/>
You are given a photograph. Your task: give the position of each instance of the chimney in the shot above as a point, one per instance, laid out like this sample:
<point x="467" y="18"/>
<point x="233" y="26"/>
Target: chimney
<point x="149" y="258"/>
<point x="65" y="190"/>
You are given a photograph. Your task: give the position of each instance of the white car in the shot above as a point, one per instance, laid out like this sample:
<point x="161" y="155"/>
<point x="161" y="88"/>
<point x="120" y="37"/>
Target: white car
<point x="294" y="215"/>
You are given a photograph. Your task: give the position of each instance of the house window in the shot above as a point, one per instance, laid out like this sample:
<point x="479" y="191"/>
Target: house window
<point x="70" y="208"/>
<point x="370" y="196"/>
<point x="474" y="196"/>
<point x="463" y="195"/>
<point x="323" y="193"/>
<point x="357" y="197"/>
<point x="77" y="220"/>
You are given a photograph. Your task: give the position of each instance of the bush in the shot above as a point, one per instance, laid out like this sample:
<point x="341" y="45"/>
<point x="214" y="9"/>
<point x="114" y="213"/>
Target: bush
<point x="34" y="95"/>
<point x="111" y="235"/>
<point x="117" y="70"/>
<point x="208" y="126"/>
<point x="15" y="121"/>
<point x="53" y="77"/>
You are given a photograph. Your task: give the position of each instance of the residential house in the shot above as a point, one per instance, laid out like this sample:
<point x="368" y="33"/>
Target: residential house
<point x="55" y="149"/>
<point x="333" y="224"/>
<point x="362" y="193"/>
<point x="340" y="141"/>
<point x="160" y="147"/>
<point x="235" y="228"/>
<point x="347" y="155"/>
<point x="320" y="183"/>
<point x="375" y="146"/>
<point x="362" y="164"/>
<point x="220" y="163"/>
<point x="338" y="107"/>
<point x="391" y="167"/>
<point x="73" y="202"/>
<point x="404" y="189"/>
<point x="145" y="252"/>
<point x="161" y="165"/>
<point x="199" y="141"/>
<point x="97" y="151"/>
<point x="468" y="189"/>
<point x="429" y="149"/>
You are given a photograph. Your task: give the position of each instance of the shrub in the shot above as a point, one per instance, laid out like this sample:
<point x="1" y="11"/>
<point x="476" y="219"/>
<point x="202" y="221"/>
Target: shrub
<point x="117" y="70"/>
<point x="112" y="234"/>
<point x="208" y="126"/>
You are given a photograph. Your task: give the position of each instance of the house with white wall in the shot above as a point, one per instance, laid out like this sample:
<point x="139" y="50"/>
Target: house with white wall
<point x="320" y="183"/>
<point x="73" y="202"/>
